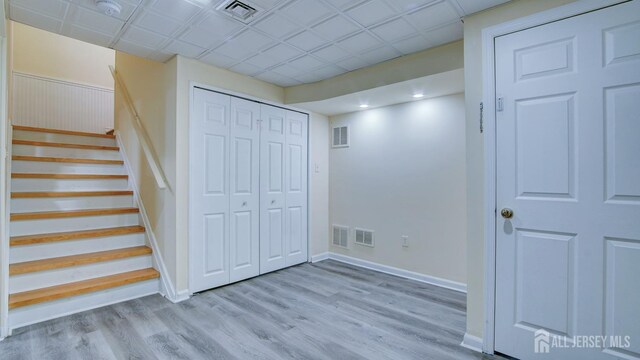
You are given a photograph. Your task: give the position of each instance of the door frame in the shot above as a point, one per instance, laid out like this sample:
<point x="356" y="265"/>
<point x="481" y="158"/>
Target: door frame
<point x="192" y="87"/>
<point x="490" y="140"/>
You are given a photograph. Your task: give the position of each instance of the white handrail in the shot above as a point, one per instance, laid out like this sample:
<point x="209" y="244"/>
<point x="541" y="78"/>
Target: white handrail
<point x="143" y="138"/>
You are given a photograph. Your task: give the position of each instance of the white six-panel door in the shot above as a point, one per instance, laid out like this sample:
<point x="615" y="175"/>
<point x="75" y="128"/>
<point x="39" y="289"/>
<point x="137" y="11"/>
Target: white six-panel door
<point x="209" y="190"/>
<point x="248" y="189"/>
<point x="568" y="165"/>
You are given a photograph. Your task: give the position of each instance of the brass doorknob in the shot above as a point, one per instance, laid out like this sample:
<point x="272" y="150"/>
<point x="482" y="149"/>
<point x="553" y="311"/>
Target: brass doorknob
<point x="506" y="213"/>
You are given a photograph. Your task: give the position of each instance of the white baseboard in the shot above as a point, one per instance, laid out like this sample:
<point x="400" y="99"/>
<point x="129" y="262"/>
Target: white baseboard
<point x="453" y="285"/>
<point x="472" y="342"/>
<point x="181" y="296"/>
<point x="320" y="257"/>
<point x="167" y="289"/>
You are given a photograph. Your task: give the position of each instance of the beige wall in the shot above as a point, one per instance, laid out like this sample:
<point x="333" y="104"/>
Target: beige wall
<point x="404" y="174"/>
<point x="47" y="54"/>
<point x="473" y="26"/>
<point x="428" y="62"/>
<point x="152" y="86"/>
<point x="192" y="70"/>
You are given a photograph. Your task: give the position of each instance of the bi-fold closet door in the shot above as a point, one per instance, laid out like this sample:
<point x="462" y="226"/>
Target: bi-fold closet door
<point x="248" y="189"/>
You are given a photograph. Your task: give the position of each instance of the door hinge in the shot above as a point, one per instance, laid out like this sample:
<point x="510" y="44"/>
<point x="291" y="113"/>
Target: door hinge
<point x="481" y="117"/>
<point x="500" y="104"/>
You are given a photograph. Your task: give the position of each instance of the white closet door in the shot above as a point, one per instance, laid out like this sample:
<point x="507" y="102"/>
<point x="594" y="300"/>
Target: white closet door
<point x="209" y="190"/>
<point x="272" y="189"/>
<point x="244" y="243"/>
<point x="296" y="188"/>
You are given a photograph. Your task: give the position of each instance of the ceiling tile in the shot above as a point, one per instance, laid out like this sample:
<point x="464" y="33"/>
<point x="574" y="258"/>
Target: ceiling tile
<point x="277" y="79"/>
<point x="335" y="28"/>
<point x="434" y="15"/>
<point x="379" y="55"/>
<point x="394" y="30"/>
<point x="411" y="45"/>
<point x="266" y="4"/>
<point x="262" y="61"/>
<point x="329" y="71"/>
<point x="180" y="10"/>
<point x="332" y="53"/>
<point x="445" y="34"/>
<point x="161" y="57"/>
<point x="360" y="42"/>
<point x="243" y="45"/>
<point x="371" y="12"/>
<point x="89" y="36"/>
<point x="408" y="5"/>
<point x="143" y="37"/>
<point x="344" y="4"/>
<point x="184" y="49"/>
<point x="309" y="77"/>
<point x="51" y="8"/>
<point x="96" y="21"/>
<point x="306" y="40"/>
<point x="306" y="12"/>
<point x="306" y="63"/>
<point x="277" y="26"/>
<point x="34" y="19"/>
<point x="472" y="6"/>
<point x="282" y="52"/>
<point x="218" y="60"/>
<point x="128" y="7"/>
<point x="246" y="68"/>
<point x="158" y="23"/>
<point x="352" y="63"/>
<point x="287" y="70"/>
<point x="134" y="49"/>
<point x="213" y="30"/>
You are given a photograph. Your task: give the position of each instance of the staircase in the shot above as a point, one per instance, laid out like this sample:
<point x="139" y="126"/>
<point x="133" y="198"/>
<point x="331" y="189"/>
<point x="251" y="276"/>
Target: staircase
<point x="76" y="239"/>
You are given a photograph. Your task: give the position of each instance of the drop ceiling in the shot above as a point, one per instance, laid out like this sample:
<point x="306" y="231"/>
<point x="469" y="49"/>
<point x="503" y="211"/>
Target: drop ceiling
<point x="289" y="42"/>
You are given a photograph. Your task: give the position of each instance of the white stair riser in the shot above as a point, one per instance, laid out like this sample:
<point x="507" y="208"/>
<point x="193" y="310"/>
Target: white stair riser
<point x="74" y="247"/>
<point x="65" y="168"/>
<point x="18" y="185"/>
<point x="70" y="203"/>
<point x="28" y="315"/>
<point x="43" y="226"/>
<point x="49" y="151"/>
<point x="62" y="138"/>
<point x="47" y="278"/>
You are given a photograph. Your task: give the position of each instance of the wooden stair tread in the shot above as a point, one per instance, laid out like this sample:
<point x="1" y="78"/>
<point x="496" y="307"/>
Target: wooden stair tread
<point x="64" y="145"/>
<point x="72" y="213"/>
<point x="64" y="132"/>
<point x="76" y="260"/>
<point x="65" y="160"/>
<point x="57" y="194"/>
<point x="67" y="176"/>
<point x="81" y="287"/>
<point x="74" y="235"/>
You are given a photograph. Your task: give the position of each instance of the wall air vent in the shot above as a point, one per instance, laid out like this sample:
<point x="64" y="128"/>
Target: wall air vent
<point x="340" y="236"/>
<point x="340" y="137"/>
<point x="364" y="237"/>
<point x="239" y="10"/>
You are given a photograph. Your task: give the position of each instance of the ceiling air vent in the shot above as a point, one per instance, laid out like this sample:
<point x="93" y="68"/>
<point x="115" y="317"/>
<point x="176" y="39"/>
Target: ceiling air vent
<point x="239" y="10"/>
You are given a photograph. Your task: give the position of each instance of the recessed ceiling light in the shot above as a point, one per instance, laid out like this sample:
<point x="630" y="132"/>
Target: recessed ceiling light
<point x="364" y="106"/>
<point x="418" y="96"/>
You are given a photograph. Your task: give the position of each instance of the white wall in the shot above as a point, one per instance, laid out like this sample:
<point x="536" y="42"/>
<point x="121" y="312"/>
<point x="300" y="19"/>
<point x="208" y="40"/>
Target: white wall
<point x="404" y="174"/>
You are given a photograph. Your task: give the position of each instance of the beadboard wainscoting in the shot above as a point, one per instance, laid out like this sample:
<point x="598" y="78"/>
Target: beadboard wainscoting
<point x="59" y="104"/>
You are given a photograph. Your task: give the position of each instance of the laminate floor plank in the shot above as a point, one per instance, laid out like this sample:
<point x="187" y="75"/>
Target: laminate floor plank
<point x="325" y="311"/>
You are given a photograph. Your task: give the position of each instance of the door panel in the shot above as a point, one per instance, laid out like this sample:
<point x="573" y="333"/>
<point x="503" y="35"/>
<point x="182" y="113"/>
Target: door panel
<point x="245" y="187"/>
<point x="272" y="194"/>
<point x="209" y="190"/>
<point x="296" y="188"/>
<point x="568" y="165"/>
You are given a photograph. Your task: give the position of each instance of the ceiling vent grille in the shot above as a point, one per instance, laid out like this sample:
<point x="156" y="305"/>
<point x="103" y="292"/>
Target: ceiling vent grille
<point x="364" y="237"/>
<point x="340" y="236"/>
<point x="239" y="10"/>
<point x="340" y="137"/>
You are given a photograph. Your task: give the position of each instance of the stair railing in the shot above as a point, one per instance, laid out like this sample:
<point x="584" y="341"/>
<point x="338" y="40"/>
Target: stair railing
<point x="141" y="134"/>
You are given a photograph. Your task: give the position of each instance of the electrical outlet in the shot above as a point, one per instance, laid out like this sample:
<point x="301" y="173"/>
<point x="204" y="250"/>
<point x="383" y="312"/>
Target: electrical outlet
<point x="405" y="241"/>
